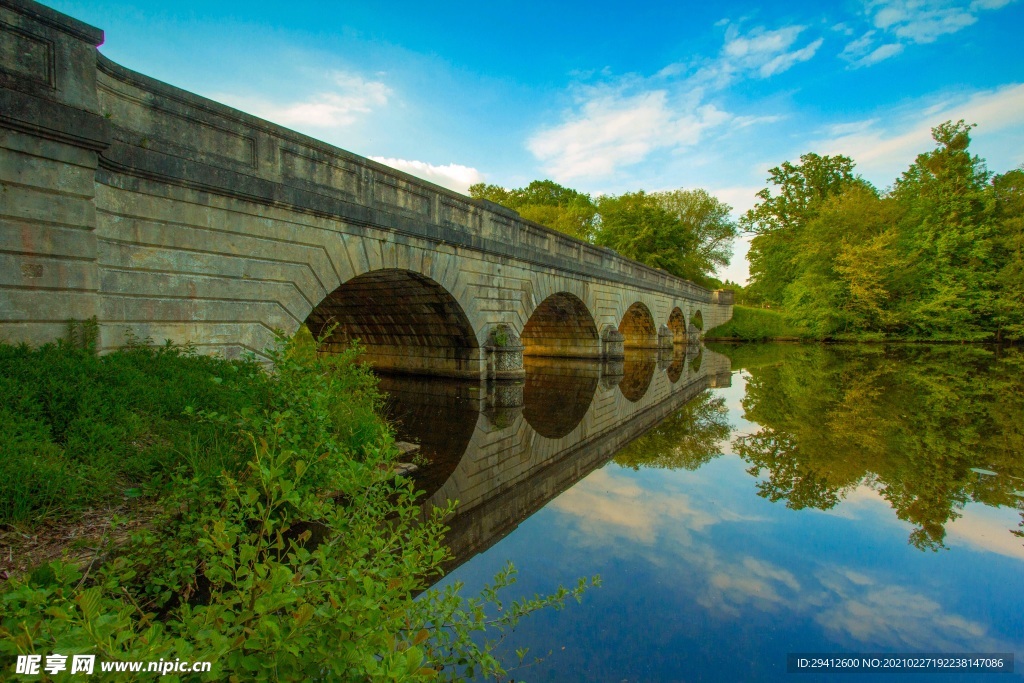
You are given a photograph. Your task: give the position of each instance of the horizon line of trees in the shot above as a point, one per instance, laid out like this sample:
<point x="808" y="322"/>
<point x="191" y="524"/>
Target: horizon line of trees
<point x="687" y="233"/>
<point x="936" y="256"/>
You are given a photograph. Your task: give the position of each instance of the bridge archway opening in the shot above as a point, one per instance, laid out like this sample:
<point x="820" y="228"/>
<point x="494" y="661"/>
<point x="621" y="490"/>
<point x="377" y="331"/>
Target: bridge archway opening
<point x="677" y="323"/>
<point x="696" y="325"/>
<point x="561" y="326"/>
<point x="638" y="328"/>
<point x="407" y="322"/>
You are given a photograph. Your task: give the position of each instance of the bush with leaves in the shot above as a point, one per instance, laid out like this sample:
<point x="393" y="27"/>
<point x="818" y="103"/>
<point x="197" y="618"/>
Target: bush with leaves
<point x="313" y="562"/>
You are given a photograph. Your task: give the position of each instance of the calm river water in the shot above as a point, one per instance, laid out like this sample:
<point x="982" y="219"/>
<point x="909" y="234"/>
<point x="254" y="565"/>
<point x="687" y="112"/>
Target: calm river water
<point x="741" y="504"/>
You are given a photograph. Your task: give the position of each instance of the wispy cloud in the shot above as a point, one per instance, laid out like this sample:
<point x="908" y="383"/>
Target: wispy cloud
<point x="897" y="23"/>
<point x="344" y="99"/>
<point x="453" y="176"/>
<point x="762" y="53"/>
<point x="621" y="123"/>
<point x="613" y="129"/>
<point x="883" y="147"/>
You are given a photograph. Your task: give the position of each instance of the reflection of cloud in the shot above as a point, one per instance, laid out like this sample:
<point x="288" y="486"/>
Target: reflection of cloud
<point x="984" y="528"/>
<point x="733" y="584"/>
<point x="672" y="530"/>
<point x="606" y="506"/>
<point x="856" y="608"/>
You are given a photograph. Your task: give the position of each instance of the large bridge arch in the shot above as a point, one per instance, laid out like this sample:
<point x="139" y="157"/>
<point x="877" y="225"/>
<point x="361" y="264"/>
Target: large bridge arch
<point x="407" y="322"/>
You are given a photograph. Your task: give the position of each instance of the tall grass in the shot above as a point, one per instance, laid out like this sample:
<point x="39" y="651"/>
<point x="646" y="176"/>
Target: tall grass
<point x="757" y="324"/>
<point x="79" y="430"/>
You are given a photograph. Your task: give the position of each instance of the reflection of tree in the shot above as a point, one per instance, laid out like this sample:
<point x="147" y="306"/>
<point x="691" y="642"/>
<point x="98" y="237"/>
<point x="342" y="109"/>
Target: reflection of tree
<point x="687" y="439"/>
<point x="910" y="422"/>
<point x="789" y="478"/>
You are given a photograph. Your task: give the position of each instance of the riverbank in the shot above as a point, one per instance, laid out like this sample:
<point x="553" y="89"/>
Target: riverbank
<point x="220" y="513"/>
<point x="750" y="324"/>
<point x="757" y="324"/>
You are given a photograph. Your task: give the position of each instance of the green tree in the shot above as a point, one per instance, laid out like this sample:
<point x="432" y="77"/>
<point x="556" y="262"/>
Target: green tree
<point x="948" y="232"/>
<point x="778" y="219"/>
<point x="1008" y="191"/>
<point x="638" y="226"/>
<point x="545" y="202"/>
<point x="712" y="227"/>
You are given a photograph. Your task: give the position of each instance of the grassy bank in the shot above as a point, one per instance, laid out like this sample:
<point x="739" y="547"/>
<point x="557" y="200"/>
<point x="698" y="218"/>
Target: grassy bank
<point x="279" y="543"/>
<point x="757" y="324"/>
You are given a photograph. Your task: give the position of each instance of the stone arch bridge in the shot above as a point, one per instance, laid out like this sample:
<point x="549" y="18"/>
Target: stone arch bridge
<point x="167" y="215"/>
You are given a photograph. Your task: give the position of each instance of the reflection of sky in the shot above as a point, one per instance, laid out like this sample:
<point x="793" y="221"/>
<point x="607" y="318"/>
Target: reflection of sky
<point x="704" y="580"/>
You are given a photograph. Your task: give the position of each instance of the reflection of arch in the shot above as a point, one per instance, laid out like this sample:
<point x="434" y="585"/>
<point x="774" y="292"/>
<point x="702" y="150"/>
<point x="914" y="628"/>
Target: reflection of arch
<point x="558" y="393"/>
<point x="637" y="371"/>
<point x="561" y="326"/>
<point x="406" y="321"/>
<point x="675" y="369"/>
<point x="438" y="414"/>
<point x="677" y="323"/>
<point x="638" y="328"/>
<point x="695" y="363"/>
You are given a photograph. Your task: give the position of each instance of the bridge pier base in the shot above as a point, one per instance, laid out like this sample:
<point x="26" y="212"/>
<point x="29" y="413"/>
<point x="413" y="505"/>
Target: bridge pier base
<point x="504" y="354"/>
<point x="613" y="343"/>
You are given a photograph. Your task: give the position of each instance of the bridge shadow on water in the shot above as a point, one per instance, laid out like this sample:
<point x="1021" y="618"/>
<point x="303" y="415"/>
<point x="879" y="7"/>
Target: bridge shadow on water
<point x="504" y="450"/>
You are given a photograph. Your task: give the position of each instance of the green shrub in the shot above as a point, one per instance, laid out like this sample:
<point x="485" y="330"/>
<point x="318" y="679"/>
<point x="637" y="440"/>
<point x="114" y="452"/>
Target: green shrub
<point x="757" y="324"/>
<point x="303" y="563"/>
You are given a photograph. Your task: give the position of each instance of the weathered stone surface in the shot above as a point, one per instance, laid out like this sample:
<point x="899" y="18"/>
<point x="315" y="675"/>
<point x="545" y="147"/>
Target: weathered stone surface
<point x="170" y="216"/>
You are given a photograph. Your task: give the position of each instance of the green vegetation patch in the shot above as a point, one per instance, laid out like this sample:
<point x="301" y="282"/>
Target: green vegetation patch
<point x="78" y="430"/>
<point x="758" y="324"/>
<point x="286" y="549"/>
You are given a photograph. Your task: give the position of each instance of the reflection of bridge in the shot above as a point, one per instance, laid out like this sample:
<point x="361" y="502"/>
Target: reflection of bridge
<point x="174" y="217"/>
<point x="504" y="463"/>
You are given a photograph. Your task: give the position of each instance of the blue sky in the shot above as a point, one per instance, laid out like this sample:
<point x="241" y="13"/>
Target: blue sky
<point x="599" y="96"/>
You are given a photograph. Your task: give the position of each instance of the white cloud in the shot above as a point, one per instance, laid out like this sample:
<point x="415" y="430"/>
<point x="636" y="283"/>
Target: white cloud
<point x="453" y="176"/>
<point x="348" y="98"/>
<point x="883" y="150"/>
<point x="899" y="22"/>
<point x="621" y="124"/>
<point x="758" y="53"/>
<point x="612" y="129"/>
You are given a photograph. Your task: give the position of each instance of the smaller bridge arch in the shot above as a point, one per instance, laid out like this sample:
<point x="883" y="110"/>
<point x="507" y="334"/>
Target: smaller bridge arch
<point x="677" y="324"/>
<point x="696" y="328"/>
<point x="638" y="328"/>
<point x="561" y="326"/>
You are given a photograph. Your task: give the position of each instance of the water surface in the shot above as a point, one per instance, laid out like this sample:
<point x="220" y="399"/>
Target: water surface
<point x="742" y="503"/>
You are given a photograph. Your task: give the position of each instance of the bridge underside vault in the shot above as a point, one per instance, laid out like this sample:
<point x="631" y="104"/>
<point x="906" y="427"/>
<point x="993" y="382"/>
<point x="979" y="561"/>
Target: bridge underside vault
<point x="677" y="324"/>
<point x="637" y="326"/>
<point x="561" y="327"/>
<point x="407" y="322"/>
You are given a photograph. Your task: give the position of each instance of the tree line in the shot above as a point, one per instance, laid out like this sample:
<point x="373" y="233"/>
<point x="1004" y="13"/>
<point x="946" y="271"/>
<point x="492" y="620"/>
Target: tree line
<point x="687" y="233"/>
<point x="936" y="256"/>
